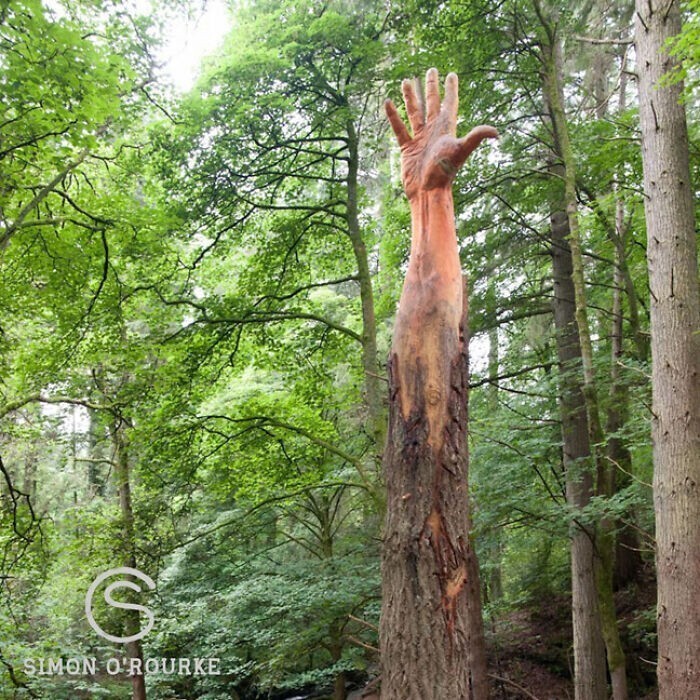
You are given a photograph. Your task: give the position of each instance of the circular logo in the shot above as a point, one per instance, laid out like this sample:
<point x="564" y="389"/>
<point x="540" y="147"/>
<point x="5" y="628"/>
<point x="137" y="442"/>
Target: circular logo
<point x="121" y="571"/>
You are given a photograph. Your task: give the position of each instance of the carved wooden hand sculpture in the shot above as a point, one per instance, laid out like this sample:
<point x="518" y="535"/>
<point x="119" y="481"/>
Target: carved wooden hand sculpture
<point x="431" y="158"/>
<point x="432" y="302"/>
<point x="431" y="634"/>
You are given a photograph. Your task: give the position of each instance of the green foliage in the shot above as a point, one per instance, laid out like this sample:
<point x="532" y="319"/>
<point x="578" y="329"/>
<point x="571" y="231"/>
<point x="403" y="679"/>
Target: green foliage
<point x="194" y="282"/>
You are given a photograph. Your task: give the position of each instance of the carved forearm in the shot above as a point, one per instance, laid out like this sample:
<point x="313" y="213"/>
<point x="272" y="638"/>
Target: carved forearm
<point x="434" y="249"/>
<point x="427" y="332"/>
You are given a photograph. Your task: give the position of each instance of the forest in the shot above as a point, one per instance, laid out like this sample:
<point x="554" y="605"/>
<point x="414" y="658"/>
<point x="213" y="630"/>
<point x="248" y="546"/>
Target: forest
<point x="198" y="296"/>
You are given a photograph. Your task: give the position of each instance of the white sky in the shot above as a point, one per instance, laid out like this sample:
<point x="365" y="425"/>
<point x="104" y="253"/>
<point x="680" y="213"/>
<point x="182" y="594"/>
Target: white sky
<point x="190" y="39"/>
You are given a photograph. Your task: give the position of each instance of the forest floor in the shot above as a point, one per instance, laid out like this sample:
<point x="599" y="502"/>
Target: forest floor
<point x="532" y="648"/>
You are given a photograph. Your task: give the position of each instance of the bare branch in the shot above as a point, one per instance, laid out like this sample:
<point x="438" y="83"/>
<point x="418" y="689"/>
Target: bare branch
<point x="624" y="41"/>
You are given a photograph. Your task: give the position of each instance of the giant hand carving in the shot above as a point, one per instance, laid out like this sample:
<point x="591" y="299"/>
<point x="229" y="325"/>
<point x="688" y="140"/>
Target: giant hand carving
<point x="431" y="634"/>
<point x="433" y="155"/>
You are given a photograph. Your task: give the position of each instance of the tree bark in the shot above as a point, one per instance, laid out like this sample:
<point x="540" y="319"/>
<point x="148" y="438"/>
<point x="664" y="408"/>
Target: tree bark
<point x="431" y="631"/>
<point x="617" y="456"/>
<point x="431" y="617"/>
<point x="604" y="548"/>
<point x="589" y="652"/>
<point x="132" y="617"/>
<point x="675" y="350"/>
<point x="495" y="580"/>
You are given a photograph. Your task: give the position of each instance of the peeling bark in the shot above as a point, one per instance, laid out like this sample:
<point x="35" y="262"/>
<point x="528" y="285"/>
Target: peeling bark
<point x="431" y="630"/>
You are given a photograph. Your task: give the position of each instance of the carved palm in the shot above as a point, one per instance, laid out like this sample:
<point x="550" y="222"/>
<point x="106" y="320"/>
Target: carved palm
<point x="433" y="155"/>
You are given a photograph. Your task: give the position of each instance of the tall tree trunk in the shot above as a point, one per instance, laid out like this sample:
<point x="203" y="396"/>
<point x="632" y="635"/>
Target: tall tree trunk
<point x="123" y="480"/>
<point x="626" y="560"/>
<point x="336" y="650"/>
<point x="617" y="455"/>
<point x="495" y="581"/>
<point x="589" y="652"/>
<point x="675" y="350"/>
<point x="554" y="94"/>
<point x="431" y="613"/>
<point x="374" y="389"/>
<point x="96" y="482"/>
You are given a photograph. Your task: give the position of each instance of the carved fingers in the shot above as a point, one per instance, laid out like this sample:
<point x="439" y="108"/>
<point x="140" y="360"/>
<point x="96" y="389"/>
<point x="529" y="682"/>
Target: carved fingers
<point x="451" y="102"/>
<point x="432" y="95"/>
<point x="432" y="112"/>
<point x="431" y="153"/>
<point x="402" y="135"/>
<point x="414" y="106"/>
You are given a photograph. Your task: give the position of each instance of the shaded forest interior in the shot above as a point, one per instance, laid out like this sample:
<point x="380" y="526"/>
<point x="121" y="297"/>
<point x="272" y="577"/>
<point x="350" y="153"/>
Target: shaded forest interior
<point x="198" y="294"/>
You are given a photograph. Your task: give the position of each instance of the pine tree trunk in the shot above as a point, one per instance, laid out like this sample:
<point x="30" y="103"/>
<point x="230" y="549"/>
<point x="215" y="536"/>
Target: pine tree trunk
<point x="495" y="580"/>
<point x="675" y="351"/>
<point x="617" y="456"/>
<point x="604" y="549"/>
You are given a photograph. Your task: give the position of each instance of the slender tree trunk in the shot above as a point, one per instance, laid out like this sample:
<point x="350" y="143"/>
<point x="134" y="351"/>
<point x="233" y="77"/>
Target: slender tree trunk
<point x="589" y="651"/>
<point x="495" y="581"/>
<point x="675" y="350"/>
<point x="374" y="389"/>
<point x="336" y="649"/>
<point x="603" y="565"/>
<point x="626" y="560"/>
<point x="554" y="93"/>
<point x="618" y="235"/>
<point x="339" y="691"/>
<point x="96" y="482"/>
<point x="616" y="456"/>
<point x="122" y="475"/>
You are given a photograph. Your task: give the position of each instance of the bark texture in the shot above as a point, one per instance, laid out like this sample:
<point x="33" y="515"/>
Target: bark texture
<point x="603" y="546"/>
<point x="589" y="650"/>
<point x="431" y="618"/>
<point x="675" y="351"/>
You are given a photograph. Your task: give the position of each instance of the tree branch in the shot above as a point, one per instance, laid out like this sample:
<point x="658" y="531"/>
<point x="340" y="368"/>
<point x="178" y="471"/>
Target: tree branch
<point x="44" y="192"/>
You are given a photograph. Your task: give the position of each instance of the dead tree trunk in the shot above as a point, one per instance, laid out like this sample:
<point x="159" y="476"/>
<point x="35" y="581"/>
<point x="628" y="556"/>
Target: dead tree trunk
<point x="431" y="632"/>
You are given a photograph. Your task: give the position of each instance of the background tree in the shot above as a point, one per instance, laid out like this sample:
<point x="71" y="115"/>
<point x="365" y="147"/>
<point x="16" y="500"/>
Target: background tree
<point x="675" y="346"/>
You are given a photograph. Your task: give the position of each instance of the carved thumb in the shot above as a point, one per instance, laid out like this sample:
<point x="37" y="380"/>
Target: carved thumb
<point x="466" y="145"/>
